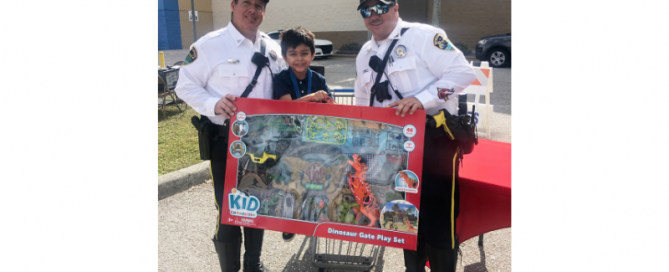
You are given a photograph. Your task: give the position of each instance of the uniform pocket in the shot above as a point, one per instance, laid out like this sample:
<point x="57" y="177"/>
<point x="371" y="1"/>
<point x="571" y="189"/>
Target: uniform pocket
<point x="367" y="80"/>
<point x="233" y="77"/>
<point x="403" y="74"/>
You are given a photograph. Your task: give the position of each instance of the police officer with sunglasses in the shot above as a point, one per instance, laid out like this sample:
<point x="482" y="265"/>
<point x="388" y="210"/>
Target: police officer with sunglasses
<point x="411" y="66"/>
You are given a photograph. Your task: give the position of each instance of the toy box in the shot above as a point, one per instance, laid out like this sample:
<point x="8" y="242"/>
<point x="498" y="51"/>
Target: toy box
<point x="335" y="171"/>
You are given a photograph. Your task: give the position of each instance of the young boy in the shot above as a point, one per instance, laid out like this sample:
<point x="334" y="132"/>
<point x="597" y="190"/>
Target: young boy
<point x="298" y="82"/>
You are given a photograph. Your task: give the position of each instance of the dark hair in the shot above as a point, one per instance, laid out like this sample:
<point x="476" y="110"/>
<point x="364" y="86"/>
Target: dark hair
<point x="266" y="1"/>
<point x="293" y="37"/>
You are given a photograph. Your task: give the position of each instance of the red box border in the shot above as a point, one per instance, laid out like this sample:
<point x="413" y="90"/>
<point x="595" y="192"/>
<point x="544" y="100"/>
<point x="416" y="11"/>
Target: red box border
<point x="252" y="106"/>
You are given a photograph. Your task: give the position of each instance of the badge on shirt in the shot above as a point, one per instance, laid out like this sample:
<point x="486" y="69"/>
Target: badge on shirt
<point x="444" y="93"/>
<point x="272" y="54"/>
<point x="442" y="43"/>
<point x="192" y="56"/>
<point x="233" y="61"/>
<point x="400" y="51"/>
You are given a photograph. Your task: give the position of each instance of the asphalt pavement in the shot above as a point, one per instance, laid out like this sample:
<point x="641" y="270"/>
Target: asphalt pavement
<point x="187" y="219"/>
<point x="186" y="224"/>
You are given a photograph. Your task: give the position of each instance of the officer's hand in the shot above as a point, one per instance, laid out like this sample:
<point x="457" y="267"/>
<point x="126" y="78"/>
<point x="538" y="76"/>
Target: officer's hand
<point x="225" y="106"/>
<point x="405" y="104"/>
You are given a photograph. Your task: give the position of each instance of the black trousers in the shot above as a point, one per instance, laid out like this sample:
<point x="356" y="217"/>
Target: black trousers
<point x="227" y="233"/>
<point x="439" y="203"/>
<point x="440" y="195"/>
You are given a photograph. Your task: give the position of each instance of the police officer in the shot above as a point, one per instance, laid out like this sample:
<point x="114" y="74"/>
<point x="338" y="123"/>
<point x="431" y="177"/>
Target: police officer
<point x="219" y="68"/>
<point x="423" y="70"/>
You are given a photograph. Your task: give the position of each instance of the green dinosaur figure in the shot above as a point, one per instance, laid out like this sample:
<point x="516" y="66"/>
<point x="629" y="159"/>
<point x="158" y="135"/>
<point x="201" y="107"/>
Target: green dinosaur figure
<point x="276" y="177"/>
<point x="273" y="201"/>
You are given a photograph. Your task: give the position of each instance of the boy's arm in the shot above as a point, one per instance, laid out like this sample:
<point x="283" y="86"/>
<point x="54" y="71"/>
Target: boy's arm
<point x="286" y="97"/>
<point x="327" y="89"/>
<point x="313" y="97"/>
<point x="280" y="87"/>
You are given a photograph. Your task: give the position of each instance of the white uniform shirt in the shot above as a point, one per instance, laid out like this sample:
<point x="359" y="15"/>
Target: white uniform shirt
<point x="223" y="66"/>
<point x="420" y="72"/>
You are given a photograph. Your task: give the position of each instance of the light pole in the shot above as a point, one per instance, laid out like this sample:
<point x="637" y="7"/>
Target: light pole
<point x="192" y="7"/>
<point x="436" y="13"/>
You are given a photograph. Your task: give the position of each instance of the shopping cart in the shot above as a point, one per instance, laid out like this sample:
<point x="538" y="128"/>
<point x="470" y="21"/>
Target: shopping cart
<point x="338" y="254"/>
<point x="343" y="96"/>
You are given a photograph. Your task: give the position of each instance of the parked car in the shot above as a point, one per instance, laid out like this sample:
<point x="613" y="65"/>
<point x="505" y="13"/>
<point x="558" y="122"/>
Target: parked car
<point x="496" y="50"/>
<point x="323" y="47"/>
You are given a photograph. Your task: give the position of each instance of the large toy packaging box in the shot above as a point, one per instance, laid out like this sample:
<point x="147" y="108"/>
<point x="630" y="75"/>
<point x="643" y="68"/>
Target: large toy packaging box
<point x="334" y="171"/>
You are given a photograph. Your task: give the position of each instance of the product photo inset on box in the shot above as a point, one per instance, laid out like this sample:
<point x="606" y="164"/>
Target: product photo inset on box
<point x="316" y="171"/>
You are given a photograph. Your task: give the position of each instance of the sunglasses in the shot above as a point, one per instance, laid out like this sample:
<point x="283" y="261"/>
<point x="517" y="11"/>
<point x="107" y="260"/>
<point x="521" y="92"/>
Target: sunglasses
<point x="379" y="9"/>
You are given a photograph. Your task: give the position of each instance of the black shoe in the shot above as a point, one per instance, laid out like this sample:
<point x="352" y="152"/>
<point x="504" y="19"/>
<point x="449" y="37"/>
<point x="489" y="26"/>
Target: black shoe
<point x="287" y="236"/>
<point x="228" y="255"/>
<point x="442" y="259"/>
<point x="260" y="268"/>
<point x="253" y="245"/>
<point x="414" y="261"/>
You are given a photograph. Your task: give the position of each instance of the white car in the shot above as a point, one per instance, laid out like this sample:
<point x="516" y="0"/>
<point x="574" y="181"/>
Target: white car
<point x="323" y="47"/>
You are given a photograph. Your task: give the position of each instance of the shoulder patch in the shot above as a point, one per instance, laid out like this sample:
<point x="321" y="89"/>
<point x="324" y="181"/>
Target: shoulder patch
<point x="445" y="93"/>
<point x="192" y="56"/>
<point x="442" y="43"/>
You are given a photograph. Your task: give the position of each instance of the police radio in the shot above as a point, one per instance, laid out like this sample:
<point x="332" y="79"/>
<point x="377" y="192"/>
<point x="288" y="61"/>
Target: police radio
<point x="380" y="89"/>
<point x="259" y="59"/>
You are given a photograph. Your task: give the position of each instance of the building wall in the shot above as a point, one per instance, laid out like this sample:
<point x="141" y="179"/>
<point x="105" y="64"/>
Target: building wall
<point x="202" y="27"/>
<point x="336" y="21"/>
<point x="168" y="25"/>
<point x="466" y="21"/>
<point x="413" y="11"/>
<point x="315" y="15"/>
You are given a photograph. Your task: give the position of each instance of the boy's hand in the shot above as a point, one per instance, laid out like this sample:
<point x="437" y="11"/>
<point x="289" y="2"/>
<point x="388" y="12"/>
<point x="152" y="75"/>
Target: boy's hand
<point x="329" y="100"/>
<point x="319" y="96"/>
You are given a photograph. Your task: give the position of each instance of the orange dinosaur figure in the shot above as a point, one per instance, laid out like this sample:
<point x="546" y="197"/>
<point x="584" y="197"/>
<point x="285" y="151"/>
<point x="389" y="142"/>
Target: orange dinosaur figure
<point x="410" y="227"/>
<point x="411" y="182"/>
<point x="369" y="206"/>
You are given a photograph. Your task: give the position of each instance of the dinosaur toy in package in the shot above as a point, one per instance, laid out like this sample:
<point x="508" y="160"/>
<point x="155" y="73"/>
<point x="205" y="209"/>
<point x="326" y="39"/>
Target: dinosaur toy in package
<point x="324" y="175"/>
<point x="360" y="188"/>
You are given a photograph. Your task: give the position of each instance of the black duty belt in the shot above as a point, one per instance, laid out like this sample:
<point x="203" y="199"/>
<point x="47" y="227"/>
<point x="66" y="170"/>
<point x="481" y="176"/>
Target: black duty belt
<point x="219" y="130"/>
